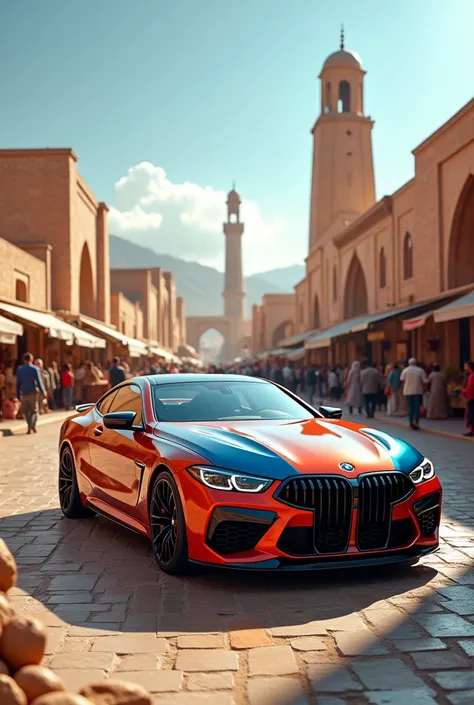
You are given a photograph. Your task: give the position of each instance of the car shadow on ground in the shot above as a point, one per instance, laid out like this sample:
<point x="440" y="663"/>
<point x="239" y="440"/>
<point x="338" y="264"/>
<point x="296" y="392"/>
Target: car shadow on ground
<point x="93" y="572"/>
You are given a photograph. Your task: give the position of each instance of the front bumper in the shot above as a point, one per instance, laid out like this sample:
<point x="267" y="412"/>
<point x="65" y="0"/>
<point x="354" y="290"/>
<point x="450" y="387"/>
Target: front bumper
<point x="261" y="532"/>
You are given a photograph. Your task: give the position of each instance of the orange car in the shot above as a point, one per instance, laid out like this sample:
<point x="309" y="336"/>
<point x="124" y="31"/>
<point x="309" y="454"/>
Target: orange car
<point x="238" y="472"/>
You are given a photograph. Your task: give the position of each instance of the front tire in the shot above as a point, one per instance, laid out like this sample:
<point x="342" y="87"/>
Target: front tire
<point x="168" y="526"/>
<point x="69" y="496"/>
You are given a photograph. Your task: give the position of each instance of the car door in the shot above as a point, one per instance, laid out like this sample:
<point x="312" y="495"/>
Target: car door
<point x="116" y="467"/>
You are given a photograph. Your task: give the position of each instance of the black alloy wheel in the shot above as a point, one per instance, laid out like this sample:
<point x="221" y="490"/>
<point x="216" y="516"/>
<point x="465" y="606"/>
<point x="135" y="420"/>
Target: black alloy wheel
<point x="167" y="526"/>
<point x="69" y="497"/>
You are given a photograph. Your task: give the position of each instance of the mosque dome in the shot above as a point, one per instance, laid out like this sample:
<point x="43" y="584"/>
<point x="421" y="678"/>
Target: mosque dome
<point x="342" y="59"/>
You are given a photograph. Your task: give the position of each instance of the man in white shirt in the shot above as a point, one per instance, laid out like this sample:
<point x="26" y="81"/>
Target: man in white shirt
<point x="414" y="381"/>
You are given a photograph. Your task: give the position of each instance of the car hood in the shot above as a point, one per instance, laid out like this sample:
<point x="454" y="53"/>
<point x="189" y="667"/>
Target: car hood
<point x="280" y="449"/>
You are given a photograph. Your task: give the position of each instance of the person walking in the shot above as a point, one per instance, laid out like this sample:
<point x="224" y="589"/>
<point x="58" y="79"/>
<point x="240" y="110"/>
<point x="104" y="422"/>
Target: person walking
<point x="354" y="388"/>
<point x="67" y="385"/>
<point x="310" y="383"/>
<point x="394" y="391"/>
<point x="414" y="381"/>
<point x="438" y="395"/>
<point x="371" y="383"/>
<point x="29" y="385"/>
<point x="468" y="392"/>
<point x="117" y="373"/>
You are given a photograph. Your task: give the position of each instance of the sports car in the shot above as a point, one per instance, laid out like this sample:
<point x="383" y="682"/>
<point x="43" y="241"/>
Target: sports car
<point x="238" y="472"/>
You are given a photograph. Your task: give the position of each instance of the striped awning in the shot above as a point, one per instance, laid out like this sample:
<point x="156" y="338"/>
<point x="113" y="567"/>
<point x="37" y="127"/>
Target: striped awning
<point x="416" y="321"/>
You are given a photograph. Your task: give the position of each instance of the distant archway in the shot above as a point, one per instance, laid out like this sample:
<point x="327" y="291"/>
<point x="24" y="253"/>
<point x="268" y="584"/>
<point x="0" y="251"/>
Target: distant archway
<point x="21" y="291"/>
<point x="284" y="330"/>
<point x="86" y="284"/>
<point x="211" y="346"/>
<point x="316" y="318"/>
<point x="355" y="293"/>
<point x="461" y="259"/>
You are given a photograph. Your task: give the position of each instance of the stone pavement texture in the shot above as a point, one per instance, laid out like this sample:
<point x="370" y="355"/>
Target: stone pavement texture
<point x="398" y="637"/>
<point x="18" y="426"/>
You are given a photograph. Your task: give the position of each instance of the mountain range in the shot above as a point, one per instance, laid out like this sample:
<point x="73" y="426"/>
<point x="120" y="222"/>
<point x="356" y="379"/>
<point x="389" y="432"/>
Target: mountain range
<point x="200" y="286"/>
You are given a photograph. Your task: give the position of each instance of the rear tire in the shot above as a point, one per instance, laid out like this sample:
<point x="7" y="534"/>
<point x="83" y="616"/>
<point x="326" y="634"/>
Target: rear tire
<point x="69" y="496"/>
<point x="168" y="526"/>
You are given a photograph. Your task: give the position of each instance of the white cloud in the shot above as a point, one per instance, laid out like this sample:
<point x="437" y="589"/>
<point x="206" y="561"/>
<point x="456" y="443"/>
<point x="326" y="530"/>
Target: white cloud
<point x="185" y="220"/>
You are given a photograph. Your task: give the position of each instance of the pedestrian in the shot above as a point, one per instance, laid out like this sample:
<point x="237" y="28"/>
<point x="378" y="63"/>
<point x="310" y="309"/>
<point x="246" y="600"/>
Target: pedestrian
<point x="414" y="381"/>
<point x="117" y="373"/>
<point x="333" y="384"/>
<point x="287" y="375"/>
<point x="371" y="383"/>
<point x="468" y="392"/>
<point x="67" y="385"/>
<point x="393" y="391"/>
<point x="438" y="395"/>
<point x="29" y="386"/>
<point x="354" y="388"/>
<point x="43" y="406"/>
<point x="310" y="383"/>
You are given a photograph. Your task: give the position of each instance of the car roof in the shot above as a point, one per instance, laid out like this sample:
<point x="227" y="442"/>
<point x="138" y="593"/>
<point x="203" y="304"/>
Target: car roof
<point x="199" y="377"/>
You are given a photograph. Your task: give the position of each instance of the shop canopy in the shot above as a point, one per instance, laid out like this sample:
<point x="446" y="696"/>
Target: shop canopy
<point x="136" y="348"/>
<point x="295" y="340"/>
<point x="278" y="352"/>
<point x="355" y="325"/>
<point x="55" y="327"/>
<point x="161" y="352"/>
<point x="295" y="354"/>
<point x="461" y="308"/>
<point x="9" y="330"/>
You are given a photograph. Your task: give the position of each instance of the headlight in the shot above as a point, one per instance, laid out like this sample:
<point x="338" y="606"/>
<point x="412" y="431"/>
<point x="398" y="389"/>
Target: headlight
<point x="219" y="479"/>
<point x="424" y="471"/>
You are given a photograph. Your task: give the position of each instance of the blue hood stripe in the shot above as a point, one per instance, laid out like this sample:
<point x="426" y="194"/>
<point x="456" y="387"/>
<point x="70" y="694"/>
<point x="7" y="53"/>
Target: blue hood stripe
<point x="403" y="456"/>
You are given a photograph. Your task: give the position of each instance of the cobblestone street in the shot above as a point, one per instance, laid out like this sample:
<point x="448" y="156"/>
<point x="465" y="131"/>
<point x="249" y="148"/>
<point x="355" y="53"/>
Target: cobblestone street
<point x="385" y="637"/>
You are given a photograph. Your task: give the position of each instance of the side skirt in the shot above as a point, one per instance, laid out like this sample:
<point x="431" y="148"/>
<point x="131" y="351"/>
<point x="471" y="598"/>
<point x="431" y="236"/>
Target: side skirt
<point x="137" y="528"/>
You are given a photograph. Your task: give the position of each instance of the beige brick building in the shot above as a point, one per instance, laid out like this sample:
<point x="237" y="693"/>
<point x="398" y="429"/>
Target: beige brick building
<point x="374" y="267"/>
<point x="54" y="258"/>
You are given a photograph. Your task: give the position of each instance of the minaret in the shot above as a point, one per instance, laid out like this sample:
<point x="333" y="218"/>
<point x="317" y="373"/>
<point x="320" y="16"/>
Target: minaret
<point x="343" y="173"/>
<point x="234" y="293"/>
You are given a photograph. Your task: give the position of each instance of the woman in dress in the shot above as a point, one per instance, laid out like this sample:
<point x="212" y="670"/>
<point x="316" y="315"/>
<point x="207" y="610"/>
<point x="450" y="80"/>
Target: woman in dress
<point x="438" y="396"/>
<point x="354" y="388"/>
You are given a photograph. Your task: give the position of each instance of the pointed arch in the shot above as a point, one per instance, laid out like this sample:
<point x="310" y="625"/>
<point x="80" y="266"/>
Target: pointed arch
<point x="355" y="292"/>
<point x="86" y="284"/>
<point x="382" y="269"/>
<point x="284" y="330"/>
<point x="407" y="256"/>
<point x="461" y="261"/>
<point x="316" y="317"/>
<point x="344" y="97"/>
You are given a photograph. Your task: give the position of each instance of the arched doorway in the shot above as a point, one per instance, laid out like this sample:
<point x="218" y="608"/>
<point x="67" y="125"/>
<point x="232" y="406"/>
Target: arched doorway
<point x="355" y="294"/>
<point x="86" y="284"/>
<point x="461" y="260"/>
<point x="211" y="346"/>
<point x="316" y="318"/>
<point x="284" y="330"/>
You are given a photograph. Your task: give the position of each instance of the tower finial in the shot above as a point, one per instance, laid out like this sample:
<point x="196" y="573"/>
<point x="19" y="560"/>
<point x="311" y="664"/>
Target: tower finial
<point x="233" y="185"/>
<point x="342" y="37"/>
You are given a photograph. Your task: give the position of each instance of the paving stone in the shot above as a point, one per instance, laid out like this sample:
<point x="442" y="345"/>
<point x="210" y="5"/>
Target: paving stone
<point x="84" y="659"/>
<point x="249" y="638"/>
<point x="76" y="678"/>
<point x="445" y="625"/>
<point x="462" y="608"/>
<point x="75" y="583"/>
<point x="272" y="661"/>
<point x="195" y="699"/>
<point x="155" y="681"/>
<point x="329" y="700"/>
<point x="210" y="681"/>
<point x="433" y="660"/>
<point x="467" y="646"/>
<point x="133" y="644"/>
<point x="206" y="660"/>
<point x="331" y="678"/>
<point x="418" y="696"/>
<point x="139" y="662"/>
<point x="424" y="644"/>
<point x="465" y="697"/>
<point x="349" y="622"/>
<point x="455" y="680"/>
<point x="201" y="641"/>
<point x="358" y="644"/>
<point x="386" y="674"/>
<point x="308" y="644"/>
<point x="268" y="691"/>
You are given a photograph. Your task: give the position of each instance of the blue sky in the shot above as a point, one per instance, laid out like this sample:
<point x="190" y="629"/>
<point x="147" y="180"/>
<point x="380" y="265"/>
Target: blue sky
<point x="209" y="91"/>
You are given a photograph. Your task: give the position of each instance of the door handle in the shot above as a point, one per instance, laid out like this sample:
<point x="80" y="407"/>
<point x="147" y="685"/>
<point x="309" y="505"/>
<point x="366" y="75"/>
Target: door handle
<point x="98" y="431"/>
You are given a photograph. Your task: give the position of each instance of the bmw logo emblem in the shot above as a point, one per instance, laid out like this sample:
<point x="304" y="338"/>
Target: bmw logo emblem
<point x="346" y="466"/>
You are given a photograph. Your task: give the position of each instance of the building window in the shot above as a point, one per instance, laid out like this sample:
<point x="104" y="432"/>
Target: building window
<point x="344" y="102"/>
<point x="382" y="269"/>
<point x="334" y="284"/>
<point x="408" y="256"/>
<point x="21" y="291"/>
<point x="327" y="107"/>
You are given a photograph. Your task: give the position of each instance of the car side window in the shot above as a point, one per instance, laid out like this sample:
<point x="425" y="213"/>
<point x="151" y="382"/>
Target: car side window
<point x="128" y="398"/>
<point x="103" y="407"/>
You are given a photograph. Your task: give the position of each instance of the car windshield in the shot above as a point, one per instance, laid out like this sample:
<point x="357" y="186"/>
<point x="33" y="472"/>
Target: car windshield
<point x="225" y="401"/>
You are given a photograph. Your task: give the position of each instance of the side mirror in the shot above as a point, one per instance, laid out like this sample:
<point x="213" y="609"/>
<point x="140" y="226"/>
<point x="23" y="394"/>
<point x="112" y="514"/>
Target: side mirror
<point x="330" y="412"/>
<point x="120" y="420"/>
<point x="83" y="407"/>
